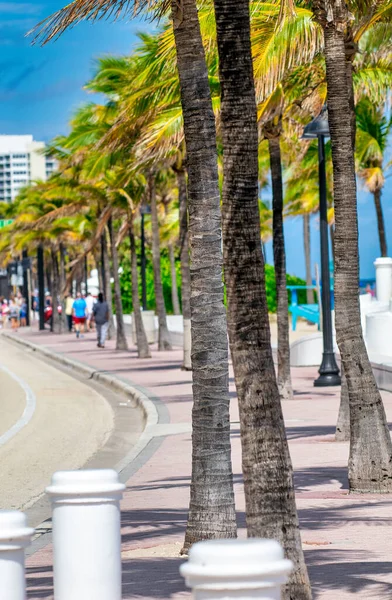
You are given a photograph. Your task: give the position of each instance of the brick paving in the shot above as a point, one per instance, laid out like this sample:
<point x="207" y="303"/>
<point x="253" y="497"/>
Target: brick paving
<point x="346" y="538"/>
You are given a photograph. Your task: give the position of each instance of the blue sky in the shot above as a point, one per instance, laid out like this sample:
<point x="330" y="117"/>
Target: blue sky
<point x="41" y="87"/>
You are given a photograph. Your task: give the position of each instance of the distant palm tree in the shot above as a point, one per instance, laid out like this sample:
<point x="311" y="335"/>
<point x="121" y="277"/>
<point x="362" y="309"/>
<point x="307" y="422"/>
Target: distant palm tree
<point x="373" y="129"/>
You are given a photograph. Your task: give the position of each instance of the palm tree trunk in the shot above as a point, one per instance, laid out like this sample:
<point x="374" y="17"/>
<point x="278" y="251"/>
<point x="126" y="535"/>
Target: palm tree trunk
<point x="108" y="285"/>
<point x="370" y="467"/>
<point x="308" y="263"/>
<point x="56" y="318"/>
<point x="343" y="425"/>
<point x="211" y="511"/>
<point x="164" y="341"/>
<point x="185" y="268"/>
<point x="380" y="223"/>
<point x="63" y="291"/>
<point x="269" y="490"/>
<point x="174" y="288"/>
<point x="121" y="340"/>
<point x="284" y="375"/>
<point x="143" y="349"/>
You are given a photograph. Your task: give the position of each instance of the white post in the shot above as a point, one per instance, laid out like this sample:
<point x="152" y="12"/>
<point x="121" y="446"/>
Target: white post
<point x="86" y="534"/>
<point x="240" y="569"/>
<point x="383" y="268"/>
<point x="14" y="537"/>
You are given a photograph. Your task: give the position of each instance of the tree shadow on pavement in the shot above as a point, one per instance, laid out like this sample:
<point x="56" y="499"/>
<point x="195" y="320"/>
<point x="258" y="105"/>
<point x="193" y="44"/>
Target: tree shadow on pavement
<point x="153" y="578"/>
<point x="347" y="514"/>
<point x="348" y="571"/>
<point x="315" y="476"/>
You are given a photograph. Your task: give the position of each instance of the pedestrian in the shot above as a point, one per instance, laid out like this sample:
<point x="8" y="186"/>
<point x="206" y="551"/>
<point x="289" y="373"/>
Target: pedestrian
<point x="101" y="317"/>
<point x="79" y="313"/>
<point x="69" y="302"/>
<point x="5" y="309"/>
<point x="14" y="315"/>
<point x="90" y="301"/>
<point x="23" y="313"/>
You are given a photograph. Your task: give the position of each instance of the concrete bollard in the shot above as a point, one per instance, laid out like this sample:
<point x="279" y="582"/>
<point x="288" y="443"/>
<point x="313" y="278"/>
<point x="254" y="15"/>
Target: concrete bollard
<point x="14" y="537"/>
<point x="86" y="534"/>
<point x="239" y="569"/>
<point x="383" y="268"/>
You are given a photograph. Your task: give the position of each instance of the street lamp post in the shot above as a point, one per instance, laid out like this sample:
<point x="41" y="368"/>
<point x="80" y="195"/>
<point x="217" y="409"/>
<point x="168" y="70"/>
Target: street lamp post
<point x="144" y="210"/>
<point x="329" y="371"/>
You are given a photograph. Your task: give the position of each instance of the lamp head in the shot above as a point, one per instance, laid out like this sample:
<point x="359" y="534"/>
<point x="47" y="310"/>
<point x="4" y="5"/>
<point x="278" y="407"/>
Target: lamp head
<point x="318" y="126"/>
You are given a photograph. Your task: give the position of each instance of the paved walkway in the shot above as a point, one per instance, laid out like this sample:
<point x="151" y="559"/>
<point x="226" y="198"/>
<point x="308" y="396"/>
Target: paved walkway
<point x="346" y="538"/>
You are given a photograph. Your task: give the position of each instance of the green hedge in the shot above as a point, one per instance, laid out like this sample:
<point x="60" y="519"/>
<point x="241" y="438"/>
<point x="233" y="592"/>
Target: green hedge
<point x="126" y="289"/>
<point x="271" y="288"/>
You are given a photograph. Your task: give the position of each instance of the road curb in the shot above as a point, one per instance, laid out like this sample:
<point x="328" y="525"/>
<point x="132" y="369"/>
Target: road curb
<point x="153" y="410"/>
<point x="110" y="381"/>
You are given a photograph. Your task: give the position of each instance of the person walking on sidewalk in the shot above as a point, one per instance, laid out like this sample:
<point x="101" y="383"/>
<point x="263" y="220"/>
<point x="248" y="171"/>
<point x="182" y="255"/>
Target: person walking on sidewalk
<point x="69" y="301"/>
<point x="101" y="317"/>
<point x="79" y="312"/>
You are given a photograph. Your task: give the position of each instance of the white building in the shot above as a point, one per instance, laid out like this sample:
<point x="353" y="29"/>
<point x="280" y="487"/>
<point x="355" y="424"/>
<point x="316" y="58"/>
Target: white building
<point x="21" y="161"/>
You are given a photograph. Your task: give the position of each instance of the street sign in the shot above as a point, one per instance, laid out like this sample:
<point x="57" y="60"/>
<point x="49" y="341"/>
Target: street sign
<point x="5" y="222"/>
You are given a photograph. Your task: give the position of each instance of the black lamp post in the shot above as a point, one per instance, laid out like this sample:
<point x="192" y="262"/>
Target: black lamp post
<point x="329" y="371"/>
<point x="144" y="210"/>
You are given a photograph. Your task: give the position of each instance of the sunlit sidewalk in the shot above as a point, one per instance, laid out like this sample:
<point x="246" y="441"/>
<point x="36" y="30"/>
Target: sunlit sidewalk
<point x="346" y="538"/>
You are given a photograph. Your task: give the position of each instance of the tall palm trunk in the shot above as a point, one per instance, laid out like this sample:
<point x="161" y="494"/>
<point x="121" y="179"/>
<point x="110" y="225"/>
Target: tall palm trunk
<point x="370" y="466"/>
<point x="56" y="317"/>
<point x="211" y="511"/>
<point x="343" y="425"/>
<point x="185" y="268"/>
<point x="108" y="285"/>
<point x="284" y="375"/>
<point x="63" y="291"/>
<point x="173" y="274"/>
<point x="267" y="469"/>
<point x="143" y="349"/>
<point x="164" y="341"/>
<point x="380" y="223"/>
<point x="121" y="340"/>
<point x="308" y="263"/>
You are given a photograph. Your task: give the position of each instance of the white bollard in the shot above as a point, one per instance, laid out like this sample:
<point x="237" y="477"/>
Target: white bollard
<point x="86" y="534"/>
<point x="239" y="569"/>
<point x="15" y="536"/>
<point x="383" y="268"/>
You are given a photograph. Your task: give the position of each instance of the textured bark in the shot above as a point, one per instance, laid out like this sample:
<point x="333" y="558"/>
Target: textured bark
<point x="343" y="425"/>
<point x="185" y="268"/>
<point x="380" y="223"/>
<point x="211" y="510"/>
<point x="308" y="263"/>
<point x="55" y="325"/>
<point x="164" y="341"/>
<point x="143" y="349"/>
<point x="121" y="340"/>
<point x="370" y="461"/>
<point x="63" y="291"/>
<point x="108" y="285"/>
<point x="284" y="375"/>
<point x="174" y="288"/>
<point x="98" y="266"/>
<point x="269" y="490"/>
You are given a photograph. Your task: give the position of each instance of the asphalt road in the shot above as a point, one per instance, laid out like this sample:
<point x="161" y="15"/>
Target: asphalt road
<point x="49" y="421"/>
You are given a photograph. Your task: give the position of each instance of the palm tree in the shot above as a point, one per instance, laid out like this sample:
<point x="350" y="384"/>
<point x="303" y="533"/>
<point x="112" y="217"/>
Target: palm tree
<point x="164" y="341"/>
<point x="264" y="444"/>
<point x="211" y="513"/>
<point x="373" y="130"/>
<point x="370" y="468"/>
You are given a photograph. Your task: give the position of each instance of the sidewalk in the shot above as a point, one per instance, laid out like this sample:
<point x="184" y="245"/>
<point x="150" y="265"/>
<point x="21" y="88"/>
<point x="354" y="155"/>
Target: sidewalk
<point x="346" y="538"/>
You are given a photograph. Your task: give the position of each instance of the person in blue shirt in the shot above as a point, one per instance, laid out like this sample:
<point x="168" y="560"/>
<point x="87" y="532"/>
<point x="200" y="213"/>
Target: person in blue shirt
<point x="79" y="313"/>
